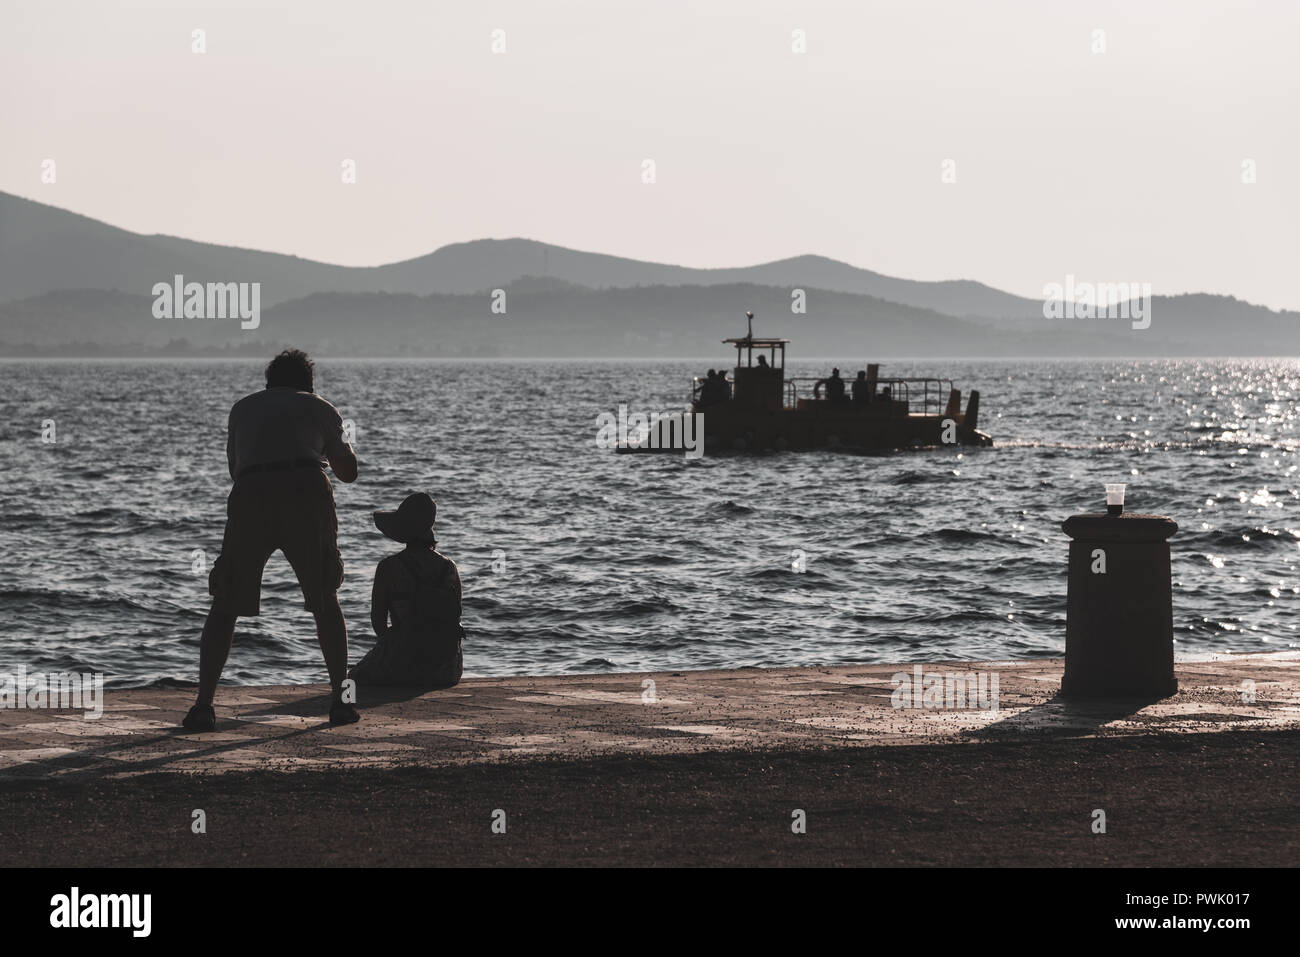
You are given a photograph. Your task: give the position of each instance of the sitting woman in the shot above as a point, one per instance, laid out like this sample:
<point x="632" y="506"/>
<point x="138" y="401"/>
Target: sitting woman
<point x="414" y="606"/>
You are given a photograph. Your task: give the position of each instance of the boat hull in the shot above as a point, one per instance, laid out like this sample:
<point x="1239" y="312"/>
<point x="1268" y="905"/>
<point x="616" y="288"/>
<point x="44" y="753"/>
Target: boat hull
<point x="844" y="427"/>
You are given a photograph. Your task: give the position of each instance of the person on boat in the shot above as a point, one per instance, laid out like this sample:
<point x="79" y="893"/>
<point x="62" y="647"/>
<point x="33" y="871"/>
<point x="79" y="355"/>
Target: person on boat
<point x="861" y="388"/>
<point x="415" y="605"/>
<point x="708" y="390"/>
<point x="724" y="387"/>
<point x="885" y="394"/>
<point x="762" y="364"/>
<point x="278" y="442"/>
<point x="835" y="387"/>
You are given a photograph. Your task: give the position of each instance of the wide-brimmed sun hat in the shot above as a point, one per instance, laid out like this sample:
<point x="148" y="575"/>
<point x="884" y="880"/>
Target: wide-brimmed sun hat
<point x="412" y="522"/>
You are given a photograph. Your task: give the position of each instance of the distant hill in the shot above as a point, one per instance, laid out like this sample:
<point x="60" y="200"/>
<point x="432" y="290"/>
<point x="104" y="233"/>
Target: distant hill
<point x="45" y="249"/>
<point x="70" y="285"/>
<point x="479" y="265"/>
<point x="551" y="318"/>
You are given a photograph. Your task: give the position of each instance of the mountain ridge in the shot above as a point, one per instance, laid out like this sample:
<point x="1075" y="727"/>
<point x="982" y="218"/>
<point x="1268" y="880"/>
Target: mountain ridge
<point x="545" y="317"/>
<point x="93" y="286"/>
<point x="44" y="248"/>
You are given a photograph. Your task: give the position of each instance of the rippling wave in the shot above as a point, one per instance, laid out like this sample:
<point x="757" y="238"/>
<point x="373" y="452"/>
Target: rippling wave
<point x="575" y="559"/>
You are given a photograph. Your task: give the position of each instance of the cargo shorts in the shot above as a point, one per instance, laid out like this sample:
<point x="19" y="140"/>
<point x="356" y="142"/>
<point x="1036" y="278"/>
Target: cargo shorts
<point x="292" y="511"/>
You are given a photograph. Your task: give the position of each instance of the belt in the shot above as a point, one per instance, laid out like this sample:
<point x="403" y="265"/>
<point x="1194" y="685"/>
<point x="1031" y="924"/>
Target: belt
<point x="281" y="466"/>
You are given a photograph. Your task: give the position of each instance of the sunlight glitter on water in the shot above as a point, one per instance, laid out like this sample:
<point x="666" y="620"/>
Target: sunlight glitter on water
<point x="631" y="563"/>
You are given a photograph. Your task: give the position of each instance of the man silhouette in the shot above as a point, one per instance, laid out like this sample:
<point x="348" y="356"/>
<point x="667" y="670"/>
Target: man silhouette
<point x="835" y="387"/>
<point x="276" y="446"/>
<point x="861" y="388"/>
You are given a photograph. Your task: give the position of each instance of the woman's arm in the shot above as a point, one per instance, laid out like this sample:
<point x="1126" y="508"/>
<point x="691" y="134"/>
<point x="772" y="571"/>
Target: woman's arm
<point x="455" y="583"/>
<point x="380" y="601"/>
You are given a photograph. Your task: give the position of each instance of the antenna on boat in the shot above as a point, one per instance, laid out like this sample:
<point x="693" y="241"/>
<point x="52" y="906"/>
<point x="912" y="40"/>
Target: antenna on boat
<point x="750" y="316"/>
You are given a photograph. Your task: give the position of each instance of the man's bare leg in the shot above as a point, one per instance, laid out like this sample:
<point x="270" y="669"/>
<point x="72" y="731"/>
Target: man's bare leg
<point x="214" y="649"/>
<point x="332" y="633"/>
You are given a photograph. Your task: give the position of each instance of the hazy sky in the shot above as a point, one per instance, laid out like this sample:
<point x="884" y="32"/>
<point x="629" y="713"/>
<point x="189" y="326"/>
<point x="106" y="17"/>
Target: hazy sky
<point x="1117" y="166"/>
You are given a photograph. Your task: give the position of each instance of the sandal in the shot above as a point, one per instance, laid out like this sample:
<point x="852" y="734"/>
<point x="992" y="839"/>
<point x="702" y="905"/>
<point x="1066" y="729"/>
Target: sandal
<point x="201" y="717"/>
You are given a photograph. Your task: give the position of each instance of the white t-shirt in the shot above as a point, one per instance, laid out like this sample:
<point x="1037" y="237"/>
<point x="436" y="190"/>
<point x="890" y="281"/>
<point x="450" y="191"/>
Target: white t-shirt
<point x="282" y="425"/>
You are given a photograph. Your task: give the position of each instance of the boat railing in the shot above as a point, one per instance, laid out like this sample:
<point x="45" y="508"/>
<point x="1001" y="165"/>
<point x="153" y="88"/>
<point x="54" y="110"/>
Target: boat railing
<point x="906" y="395"/>
<point x="925" y="396"/>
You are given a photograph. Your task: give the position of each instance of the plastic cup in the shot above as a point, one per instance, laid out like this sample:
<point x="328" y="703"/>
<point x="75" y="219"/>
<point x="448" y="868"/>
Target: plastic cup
<point x="1115" y="498"/>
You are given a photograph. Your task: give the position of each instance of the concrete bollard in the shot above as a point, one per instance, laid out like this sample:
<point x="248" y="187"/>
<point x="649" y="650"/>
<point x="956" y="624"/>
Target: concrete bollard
<point x="1119" y="631"/>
